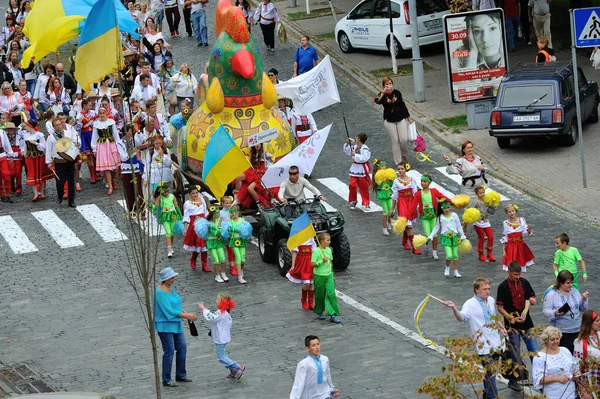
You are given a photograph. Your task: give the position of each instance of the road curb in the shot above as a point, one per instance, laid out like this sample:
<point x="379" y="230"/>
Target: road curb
<point x="435" y="134"/>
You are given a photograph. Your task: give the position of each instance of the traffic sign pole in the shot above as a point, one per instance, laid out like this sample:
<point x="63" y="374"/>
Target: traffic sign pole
<point x="577" y="99"/>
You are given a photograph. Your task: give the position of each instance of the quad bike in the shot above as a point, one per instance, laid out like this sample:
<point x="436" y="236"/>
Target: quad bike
<point x="275" y="230"/>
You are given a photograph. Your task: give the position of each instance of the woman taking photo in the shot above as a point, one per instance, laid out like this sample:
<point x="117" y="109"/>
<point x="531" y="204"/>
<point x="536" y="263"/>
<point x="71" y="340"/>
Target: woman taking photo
<point x="395" y="119"/>
<point x="554" y="367"/>
<point x="469" y="167"/>
<point x="184" y="84"/>
<point x="167" y="323"/>
<point x="587" y="346"/>
<point x="563" y="307"/>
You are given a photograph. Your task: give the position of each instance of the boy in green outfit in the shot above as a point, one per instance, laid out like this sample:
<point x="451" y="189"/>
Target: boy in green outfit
<point x="566" y="258"/>
<point x="324" y="284"/>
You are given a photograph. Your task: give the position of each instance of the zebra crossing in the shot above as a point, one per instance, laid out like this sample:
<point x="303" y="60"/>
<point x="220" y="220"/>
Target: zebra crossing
<point x="22" y="234"/>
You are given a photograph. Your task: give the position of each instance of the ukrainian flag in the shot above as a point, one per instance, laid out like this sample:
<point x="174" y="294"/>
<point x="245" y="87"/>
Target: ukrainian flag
<point x="52" y="23"/>
<point x="223" y="162"/>
<point x="302" y="230"/>
<point x="99" y="50"/>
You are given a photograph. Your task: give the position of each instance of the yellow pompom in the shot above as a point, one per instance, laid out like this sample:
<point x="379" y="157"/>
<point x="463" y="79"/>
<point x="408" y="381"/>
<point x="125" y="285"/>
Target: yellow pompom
<point x="465" y="246"/>
<point x="419" y="241"/>
<point x="384" y="175"/>
<point x="269" y="94"/>
<point x="400" y="225"/>
<point x="215" y="99"/>
<point x="390" y="174"/>
<point x="492" y="199"/>
<point x="471" y="215"/>
<point x="461" y="201"/>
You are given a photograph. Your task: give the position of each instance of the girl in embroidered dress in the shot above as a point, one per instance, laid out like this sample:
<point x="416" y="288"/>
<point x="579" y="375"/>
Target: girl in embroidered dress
<point x="426" y="201"/>
<point x="302" y="272"/>
<point x="513" y="246"/>
<point x="404" y="189"/>
<point x="112" y="113"/>
<point x="303" y="126"/>
<point x="34" y="147"/>
<point x="483" y="226"/>
<point x="382" y="182"/>
<point x="193" y="209"/>
<point x="168" y="213"/>
<point x="587" y="346"/>
<point x="451" y="232"/>
<point x="104" y="146"/>
<point x="85" y="125"/>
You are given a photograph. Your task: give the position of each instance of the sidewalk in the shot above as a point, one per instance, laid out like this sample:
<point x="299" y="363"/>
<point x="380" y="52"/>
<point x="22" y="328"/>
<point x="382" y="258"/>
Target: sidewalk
<point x="541" y="168"/>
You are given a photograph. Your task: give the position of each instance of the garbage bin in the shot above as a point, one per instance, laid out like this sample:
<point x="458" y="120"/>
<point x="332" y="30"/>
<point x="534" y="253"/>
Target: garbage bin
<point x="292" y="3"/>
<point x="478" y="114"/>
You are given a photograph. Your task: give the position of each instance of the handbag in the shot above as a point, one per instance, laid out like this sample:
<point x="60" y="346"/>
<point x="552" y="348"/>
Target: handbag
<point x="172" y="99"/>
<point x="193" y="329"/>
<point x="420" y="144"/>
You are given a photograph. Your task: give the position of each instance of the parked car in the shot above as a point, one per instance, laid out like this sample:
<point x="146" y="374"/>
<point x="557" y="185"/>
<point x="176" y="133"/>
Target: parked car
<point x="539" y="100"/>
<point x="368" y="25"/>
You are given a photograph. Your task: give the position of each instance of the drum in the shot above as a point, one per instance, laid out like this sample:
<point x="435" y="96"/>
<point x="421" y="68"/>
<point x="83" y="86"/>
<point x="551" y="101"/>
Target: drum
<point x="67" y="149"/>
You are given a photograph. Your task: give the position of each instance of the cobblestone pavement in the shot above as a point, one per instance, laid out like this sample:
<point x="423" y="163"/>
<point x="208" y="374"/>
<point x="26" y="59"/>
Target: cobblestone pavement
<point x="70" y="314"/>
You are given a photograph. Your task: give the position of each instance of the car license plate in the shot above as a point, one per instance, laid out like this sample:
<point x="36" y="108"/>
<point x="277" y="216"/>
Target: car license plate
<point x="526" y="118"/>
<point x="436" y="23"/>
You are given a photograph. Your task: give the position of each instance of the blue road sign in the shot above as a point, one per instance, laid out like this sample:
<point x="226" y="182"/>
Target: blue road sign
<point x="587" y="27"/>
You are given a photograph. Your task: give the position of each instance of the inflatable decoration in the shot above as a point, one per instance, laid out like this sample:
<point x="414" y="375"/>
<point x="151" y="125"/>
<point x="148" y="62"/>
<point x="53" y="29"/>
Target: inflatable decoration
<point x="239" y="95"/>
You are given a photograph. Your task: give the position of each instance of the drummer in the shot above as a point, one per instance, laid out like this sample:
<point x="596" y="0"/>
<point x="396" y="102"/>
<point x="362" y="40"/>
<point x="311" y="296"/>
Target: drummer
<point x="64" y="169"/>
<point x="71" y="133"/>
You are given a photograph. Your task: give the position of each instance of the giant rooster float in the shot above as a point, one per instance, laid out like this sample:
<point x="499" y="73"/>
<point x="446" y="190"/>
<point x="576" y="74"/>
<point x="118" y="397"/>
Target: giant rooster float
<point x="239" y="96"/>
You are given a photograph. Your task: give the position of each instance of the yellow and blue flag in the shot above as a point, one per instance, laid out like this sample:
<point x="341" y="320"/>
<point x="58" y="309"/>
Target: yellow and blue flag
<point x="101" y="42"/>
<point x="302" y="230"/>
<point x="51" y="23"/>
<point x="223" y="162"/>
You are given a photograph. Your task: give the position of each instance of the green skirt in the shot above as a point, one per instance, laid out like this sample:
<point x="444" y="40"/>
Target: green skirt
<point x="214" y="243"/>
<point x="450" y="241"/>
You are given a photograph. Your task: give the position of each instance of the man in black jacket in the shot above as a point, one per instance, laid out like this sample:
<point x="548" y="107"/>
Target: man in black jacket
<point x="5" y="75"/>
<point x="66" y="80"/>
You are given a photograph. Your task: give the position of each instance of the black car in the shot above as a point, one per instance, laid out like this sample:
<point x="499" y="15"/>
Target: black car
<point x="539" y="100"/>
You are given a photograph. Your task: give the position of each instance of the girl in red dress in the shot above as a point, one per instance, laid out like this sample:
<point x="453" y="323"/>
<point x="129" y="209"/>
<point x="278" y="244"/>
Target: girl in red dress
<point x="195" y="208"/>
<point x="513" y="246"/>
<point x="302" y="272"/>
<point x="35" y="160"/>
<point x="404" y="189"/>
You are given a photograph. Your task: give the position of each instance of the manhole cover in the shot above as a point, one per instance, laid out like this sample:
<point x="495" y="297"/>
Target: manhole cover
<point x="117" y="350"/>
<point x="22" y="380"/>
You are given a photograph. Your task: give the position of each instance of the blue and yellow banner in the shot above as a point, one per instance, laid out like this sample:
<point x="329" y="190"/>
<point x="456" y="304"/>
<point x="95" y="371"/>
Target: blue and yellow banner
<point x="301" y="231"/>
<point x="223" y="162"/>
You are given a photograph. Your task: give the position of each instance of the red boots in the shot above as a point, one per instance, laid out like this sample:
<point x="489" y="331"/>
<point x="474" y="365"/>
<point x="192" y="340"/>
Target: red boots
<point x="204" y="258"/>
<point x="414" y="250"/>
<point x="193" y="258"/>
<point x="405" y="241"/>
<point x="308" y="300"/>
<point x="490" y="255"/>
<point x="304" y="299"/>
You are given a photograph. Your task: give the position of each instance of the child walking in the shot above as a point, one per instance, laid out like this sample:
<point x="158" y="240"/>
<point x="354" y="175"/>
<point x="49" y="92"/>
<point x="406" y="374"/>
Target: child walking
<point x="220" y="331"/>
<point x="513" y="246"/>
<point x="324" y="284"/>
<point x="168" y="213"/>
<point x="193" y="209"/>
<point x="483" y="228"/>
<point x="404" y="189"/>
<point x="227" y="202"/>
<point x="237" y="231"/>
<point x="426" y="201"/>
<point x="215" y="245"/>
<point x="359" y="171"/>
<point x="566" y="258"/>
<point x="302" y="272"/>
<point x="383" y="179"/>
<point x="449" y="226"/>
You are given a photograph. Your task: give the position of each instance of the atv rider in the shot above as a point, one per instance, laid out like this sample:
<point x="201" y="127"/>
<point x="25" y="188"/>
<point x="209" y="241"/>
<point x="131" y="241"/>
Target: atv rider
<point x="293" y="188"/>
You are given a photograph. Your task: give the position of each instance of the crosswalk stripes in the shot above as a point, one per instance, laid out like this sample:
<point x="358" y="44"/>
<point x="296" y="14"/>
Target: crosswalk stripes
<point x="458" y="180"/>
<point x="58" y="230"/>
<point x="16" y="239"/>
<point x="151" y="225"/>
<point x="341" y="189"/>
<point x="101" y="223"/>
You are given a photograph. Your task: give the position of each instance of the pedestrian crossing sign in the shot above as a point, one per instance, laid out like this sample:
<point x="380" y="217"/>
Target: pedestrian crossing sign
<point x="587" y="27"/>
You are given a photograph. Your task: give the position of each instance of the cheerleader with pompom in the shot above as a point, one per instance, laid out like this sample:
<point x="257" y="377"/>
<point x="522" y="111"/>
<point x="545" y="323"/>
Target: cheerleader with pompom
<point x="227" y="202"/>
<point x="451" y="232"/>
<point x="209" y="229"/>
<point x="404" y="189"/>
<point x="426" y="201"/>
<point x="193" y="209"/>
<point x="238" y="231"/>
<point x="167" y="212"/>
<point x="302" y="272"/>
<point x="482" y="227"/>
<point x="383" y="179"/>
<point x="513" y="246"/>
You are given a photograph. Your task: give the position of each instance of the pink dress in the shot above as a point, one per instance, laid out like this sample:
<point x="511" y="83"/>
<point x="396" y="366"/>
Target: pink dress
<point x="104" y="144"/>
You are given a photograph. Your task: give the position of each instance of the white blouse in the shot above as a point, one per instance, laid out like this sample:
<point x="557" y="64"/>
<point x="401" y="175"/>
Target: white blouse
<point x="40" y="88"/>
<point x="508" y="229"/>
<point x="362" y="154"/>
<point x="184" y="85"/>
<point x="561" y="364"/>
<point x="194" y="208"/>
<point x="399" y="185"/>
<point x="266" y="13"/>
<point x="465" y="168"/>
<point x="98" y="124"/>
<point x="157" y="168"/>
<point x="448" y="225"/>
<point x="37" y="136"/>
<point x="11" y="104"/>
<point x="62" y="97"/>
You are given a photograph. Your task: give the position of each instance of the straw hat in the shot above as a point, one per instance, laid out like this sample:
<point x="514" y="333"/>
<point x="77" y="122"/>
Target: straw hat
<point x="115" y="92"/>
<point x="10" y="125"/>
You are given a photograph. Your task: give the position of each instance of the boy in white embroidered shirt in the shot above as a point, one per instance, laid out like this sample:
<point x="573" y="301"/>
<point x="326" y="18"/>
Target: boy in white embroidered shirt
<point x="360" y="171"/>
<point x="220" y="332"/>
<point x="313" y="377"/>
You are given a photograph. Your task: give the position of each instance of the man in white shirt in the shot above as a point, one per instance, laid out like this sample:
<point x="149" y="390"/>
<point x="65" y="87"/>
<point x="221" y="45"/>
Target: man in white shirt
<point x="143" y="92"/>
<point x="313" y="376"/>
<point x="478" y="312"/>
<point x="64" y="169"/>
<point x="293" y="188"/>
<point x="154" y="79"/>
<point x="160" y="121"/>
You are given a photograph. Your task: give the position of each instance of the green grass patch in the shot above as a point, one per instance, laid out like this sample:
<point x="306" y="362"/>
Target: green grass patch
<point x="319" y="12"/>
<point x="454" y="121"/>
<point x="402" y="70"/>
<point x="326" y="36"/>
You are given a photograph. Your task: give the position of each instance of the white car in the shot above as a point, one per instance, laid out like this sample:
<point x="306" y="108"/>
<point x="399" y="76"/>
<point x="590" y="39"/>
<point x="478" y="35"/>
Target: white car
<point x="368" y="25"/>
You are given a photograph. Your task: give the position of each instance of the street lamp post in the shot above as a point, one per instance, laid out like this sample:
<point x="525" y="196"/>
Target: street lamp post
<point x="417" y="61"/>
<point x="392" y="39"/>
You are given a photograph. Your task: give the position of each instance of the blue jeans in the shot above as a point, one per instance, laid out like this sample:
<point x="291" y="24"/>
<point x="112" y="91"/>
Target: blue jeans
<point x="224" y="359"/>
<point x="489" y="380"/>
<point x="172" y="342"/>
<point x="199" y="24"/>
<point x="514" y="337"/>
<point x="31" y="85"/>
<point x="512" y="28"/>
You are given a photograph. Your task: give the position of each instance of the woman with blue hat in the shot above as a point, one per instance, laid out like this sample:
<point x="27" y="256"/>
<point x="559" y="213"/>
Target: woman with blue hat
<point x="167" y="323"/>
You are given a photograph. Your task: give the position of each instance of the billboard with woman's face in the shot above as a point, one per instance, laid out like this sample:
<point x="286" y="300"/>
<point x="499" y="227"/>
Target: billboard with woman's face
<point x="475" y="54"/>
